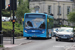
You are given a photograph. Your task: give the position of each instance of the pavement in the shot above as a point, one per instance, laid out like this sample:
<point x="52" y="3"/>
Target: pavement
<point x="8" y="42"/>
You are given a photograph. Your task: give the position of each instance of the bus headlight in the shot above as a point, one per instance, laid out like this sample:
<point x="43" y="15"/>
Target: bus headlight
<point x="25" y="31"/>
<point x="43" y="31"/>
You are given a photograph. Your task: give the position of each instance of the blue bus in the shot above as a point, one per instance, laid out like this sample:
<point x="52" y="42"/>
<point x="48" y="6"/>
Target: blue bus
<point x="38" y="25"/>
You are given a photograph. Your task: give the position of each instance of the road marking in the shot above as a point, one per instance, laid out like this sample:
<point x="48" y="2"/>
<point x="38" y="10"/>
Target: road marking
<point x="68" y="47"/>
<point x="58" y="46"/>
<point x="23" y="43"/>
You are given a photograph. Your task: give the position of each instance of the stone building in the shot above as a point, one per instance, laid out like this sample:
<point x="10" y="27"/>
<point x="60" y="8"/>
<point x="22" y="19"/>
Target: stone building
<point x="59" y="8"/>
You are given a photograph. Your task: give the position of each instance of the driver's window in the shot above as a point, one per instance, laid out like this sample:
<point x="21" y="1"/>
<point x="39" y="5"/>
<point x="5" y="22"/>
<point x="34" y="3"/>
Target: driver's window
<point x="29" y="23"/>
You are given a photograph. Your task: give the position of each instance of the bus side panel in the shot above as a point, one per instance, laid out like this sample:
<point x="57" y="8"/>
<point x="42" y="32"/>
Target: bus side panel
<point x="49" y="27"/>
<point x="46" y="27"/>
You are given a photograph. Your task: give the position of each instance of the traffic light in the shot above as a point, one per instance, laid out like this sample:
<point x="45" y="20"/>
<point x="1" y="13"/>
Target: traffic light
<point x="13" y="3"/>
<point x="8" y="6"/>
<point x="3" y="4"/>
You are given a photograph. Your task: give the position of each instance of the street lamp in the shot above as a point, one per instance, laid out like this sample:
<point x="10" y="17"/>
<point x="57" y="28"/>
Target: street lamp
<point x="54" y="8"/>
<point x="58" y="9"/>
<point x="63" y="14"/>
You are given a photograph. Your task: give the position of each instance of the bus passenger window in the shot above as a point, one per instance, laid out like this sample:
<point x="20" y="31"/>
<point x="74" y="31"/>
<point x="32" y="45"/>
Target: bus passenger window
<point x="29" y="23"/>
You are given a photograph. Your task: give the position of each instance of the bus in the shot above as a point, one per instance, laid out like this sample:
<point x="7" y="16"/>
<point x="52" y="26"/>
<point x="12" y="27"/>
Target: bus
<point x="37" y="25"/>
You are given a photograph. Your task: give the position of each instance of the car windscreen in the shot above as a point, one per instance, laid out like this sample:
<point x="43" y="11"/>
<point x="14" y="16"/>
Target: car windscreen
<point x="35" y="21"/>
<point x="65" y="30"/>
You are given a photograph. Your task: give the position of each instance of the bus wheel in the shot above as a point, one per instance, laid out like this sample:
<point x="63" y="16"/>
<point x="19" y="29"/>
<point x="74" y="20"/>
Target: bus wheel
<point x="27" y="37"/>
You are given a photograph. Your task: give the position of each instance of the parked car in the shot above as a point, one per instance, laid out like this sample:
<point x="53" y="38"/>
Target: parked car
<point x="5" y="19"/>
<point x="65" y="33"/>
<point x="11" y="18"/>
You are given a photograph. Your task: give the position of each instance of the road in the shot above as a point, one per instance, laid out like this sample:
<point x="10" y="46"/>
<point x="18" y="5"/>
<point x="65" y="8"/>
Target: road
<point x="44" y="44"/>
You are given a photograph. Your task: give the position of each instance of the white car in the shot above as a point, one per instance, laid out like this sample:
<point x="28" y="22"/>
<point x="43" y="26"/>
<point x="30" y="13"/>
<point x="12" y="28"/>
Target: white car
<point x="11" y="18"/>
<point x="5" y="18"/>
<point x="65" y="33"/>
<point x="55" y="31"/>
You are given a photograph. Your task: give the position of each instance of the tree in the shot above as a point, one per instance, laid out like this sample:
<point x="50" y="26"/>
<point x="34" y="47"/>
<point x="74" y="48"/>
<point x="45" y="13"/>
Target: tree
<point x="71" y="16"/>
<point x="22" y="8"/>
<point x="20" y="1"/>
<point x="74" y="4"/>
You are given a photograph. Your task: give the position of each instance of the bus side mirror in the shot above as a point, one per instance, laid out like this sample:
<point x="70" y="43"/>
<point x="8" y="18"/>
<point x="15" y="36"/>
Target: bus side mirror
<point x="47" y="20"/>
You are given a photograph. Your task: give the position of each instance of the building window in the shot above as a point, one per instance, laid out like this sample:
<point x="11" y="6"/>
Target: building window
<point x="72" y="0"/>
<point x="36" y="9"/>
<point x="59" y="10"/>
<point x="49" y="9"/>
<point x="68" y="9"/>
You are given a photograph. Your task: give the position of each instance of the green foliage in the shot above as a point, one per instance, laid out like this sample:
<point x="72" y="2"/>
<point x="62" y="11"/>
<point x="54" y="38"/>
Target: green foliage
<point x="22" y="8"/>
<point x="1" y="45"/>
<point x="71" y="16"/>
<point x="5" y="13"/>
<point x="7" y="28"/>
<point x="20" y="1"/>
<point x="63" y="26"/>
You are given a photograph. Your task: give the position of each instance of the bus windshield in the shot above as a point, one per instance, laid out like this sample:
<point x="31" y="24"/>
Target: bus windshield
<point x="35" y="21"/>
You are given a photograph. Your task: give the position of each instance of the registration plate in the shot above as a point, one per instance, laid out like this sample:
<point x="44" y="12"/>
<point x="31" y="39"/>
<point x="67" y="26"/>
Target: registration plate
<point x="64" y="37"/>
<point x="34" y="36"/>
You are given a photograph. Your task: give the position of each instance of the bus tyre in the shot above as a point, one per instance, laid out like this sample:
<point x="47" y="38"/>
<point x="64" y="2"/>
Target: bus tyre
<point x="27" y="37"/>
<point x="56" y="39"/>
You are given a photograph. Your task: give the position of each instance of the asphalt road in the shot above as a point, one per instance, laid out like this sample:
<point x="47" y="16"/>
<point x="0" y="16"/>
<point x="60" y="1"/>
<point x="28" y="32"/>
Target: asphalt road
<point x="44" y="44"/>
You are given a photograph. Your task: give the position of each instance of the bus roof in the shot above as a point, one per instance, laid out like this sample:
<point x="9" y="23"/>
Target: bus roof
<point x="34" y="13"/>
<point x="49" y="16"/>
<point x="41" y="13"/>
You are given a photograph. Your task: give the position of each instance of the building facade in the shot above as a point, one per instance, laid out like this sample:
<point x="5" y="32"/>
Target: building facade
<point x="60" y="9"/>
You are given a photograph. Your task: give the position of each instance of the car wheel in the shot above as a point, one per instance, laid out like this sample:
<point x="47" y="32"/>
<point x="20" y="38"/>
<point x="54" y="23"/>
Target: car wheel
<point x="72" y="40"/>
<point x="56" y="39"/>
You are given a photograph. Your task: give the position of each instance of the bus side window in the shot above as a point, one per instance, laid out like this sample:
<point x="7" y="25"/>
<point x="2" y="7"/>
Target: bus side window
<point x="48" y="24"/>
